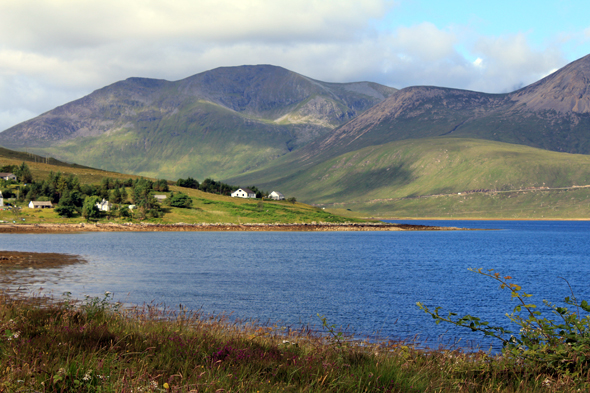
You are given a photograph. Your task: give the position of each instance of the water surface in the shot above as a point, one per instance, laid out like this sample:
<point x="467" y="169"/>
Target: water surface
<point x="369" y="281"/>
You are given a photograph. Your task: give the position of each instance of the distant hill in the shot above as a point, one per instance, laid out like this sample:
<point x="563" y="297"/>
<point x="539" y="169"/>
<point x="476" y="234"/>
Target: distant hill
<point x="441" y="177"/>
<point x="218" y="123"/>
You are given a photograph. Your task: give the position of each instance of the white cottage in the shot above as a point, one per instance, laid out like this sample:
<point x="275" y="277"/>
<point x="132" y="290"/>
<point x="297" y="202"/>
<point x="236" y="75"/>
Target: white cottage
<point x="104" y="205"/>
<point x="7" y="176"/>
<point x="277" y="196"/>
<point x="40" y="205"/>
<point x="243" y="193"/>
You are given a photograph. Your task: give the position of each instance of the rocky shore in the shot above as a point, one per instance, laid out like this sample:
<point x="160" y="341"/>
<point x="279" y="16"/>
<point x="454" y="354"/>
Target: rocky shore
<point x="183" y="227"/>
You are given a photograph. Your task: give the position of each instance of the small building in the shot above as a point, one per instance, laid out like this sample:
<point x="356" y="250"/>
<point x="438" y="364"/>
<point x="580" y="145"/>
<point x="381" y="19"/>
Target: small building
<point x="243" y="193"/>
<point x="7" y="176"/>
<point x="104" y="205"/>
<point x="160" y="198"/>
<point x="1" y="199"/>
<point x="277" y="196"/>
<point x="40" y="205"/>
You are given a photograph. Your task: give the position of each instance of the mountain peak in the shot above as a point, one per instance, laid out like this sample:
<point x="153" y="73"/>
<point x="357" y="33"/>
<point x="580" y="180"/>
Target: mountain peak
<point x="565" y="90"/>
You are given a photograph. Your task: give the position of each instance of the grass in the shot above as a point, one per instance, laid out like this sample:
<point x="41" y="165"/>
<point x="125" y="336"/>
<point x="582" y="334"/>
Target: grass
<point x="201" y="140"/>
<point x="382" y="180"/>
<point x="207" y="208"/>
<point x="95" y="346"/>
<point x="555" y="204"/>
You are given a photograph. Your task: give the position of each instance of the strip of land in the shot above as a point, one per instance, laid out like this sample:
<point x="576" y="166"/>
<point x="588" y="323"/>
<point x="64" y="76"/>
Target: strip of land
<point x="183" y="227"/>
<point x="37" y="260"/>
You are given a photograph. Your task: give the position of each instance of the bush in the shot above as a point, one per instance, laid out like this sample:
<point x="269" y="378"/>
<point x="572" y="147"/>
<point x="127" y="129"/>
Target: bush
<point x="559" y="345"/>
<point x="180" y="200"/>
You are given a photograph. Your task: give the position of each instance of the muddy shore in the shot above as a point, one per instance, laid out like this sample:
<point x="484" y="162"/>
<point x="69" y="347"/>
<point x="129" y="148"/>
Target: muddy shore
<point x="36" y="260"/>
<point x="183" y="227"/>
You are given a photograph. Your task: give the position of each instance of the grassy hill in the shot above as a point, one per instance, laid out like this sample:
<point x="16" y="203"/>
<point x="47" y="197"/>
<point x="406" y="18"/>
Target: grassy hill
<point x="423" y="178"/>
<point x="207" y="208"/>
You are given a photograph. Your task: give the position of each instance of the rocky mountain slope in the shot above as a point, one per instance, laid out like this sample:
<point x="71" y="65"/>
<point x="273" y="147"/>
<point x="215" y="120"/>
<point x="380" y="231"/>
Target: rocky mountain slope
<point x="364" y="160"/>
<point x="552" y="114"/>
<point x="218" y="123"/>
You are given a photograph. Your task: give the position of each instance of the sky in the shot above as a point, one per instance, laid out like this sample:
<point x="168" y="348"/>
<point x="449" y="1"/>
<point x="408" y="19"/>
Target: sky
<point x="55" y="51"/>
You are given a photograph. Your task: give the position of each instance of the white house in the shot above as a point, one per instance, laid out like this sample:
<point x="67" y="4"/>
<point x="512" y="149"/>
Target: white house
<point x="7" y="176"/>
<point x="1" y="199"/>
<point x="40" y="205"/>
<point x="160" y="198"/>
<point x="104" y="206"/>
<point x="277" y="196"/>
<point x="243" y="193"/>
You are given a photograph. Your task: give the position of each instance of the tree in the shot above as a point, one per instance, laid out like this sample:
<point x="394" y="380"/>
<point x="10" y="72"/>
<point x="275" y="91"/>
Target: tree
<point x="189" y="182"/>
<point x="116" y="196"/>
<point x="161" y="185"/>
<point x="89" y="209"/>
<point x="66" y="207"/>
<point x="143" y="198"/>
<point x="124" y="212"/>
<point x="292" y="200"/>
<point x="23" y="173"/>
<point x="180" y="200"/>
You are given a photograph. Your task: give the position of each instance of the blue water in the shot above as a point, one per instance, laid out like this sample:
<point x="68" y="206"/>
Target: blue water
<point x="366" y="281"/>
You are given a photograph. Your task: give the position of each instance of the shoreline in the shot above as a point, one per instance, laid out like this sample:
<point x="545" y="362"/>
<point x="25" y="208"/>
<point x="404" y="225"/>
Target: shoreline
<point x="474" y="219"/>
<point x="218" y="227"/>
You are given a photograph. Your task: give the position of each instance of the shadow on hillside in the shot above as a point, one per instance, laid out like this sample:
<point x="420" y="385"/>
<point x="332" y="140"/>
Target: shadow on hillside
<point x="359" y="184"/>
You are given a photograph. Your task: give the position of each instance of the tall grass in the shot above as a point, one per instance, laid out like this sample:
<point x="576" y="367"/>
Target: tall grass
<point x="94" y="346"/>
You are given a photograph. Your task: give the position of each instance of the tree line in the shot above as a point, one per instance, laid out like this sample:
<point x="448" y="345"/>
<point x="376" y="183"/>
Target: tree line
<point x="215" y="187"/>
<point x="72" y="198"/>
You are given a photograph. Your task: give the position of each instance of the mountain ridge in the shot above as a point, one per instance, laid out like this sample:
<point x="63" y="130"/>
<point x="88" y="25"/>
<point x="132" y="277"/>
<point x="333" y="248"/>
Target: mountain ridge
<point x="260" y="111"/>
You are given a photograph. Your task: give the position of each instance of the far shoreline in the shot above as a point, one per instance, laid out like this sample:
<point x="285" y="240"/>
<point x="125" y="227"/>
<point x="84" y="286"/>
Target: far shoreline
<point x="475" y="219"/>
<point x="218" y="227"/>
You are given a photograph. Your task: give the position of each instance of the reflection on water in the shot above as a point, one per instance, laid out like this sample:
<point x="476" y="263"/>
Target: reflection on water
<point x="369" y="281"/>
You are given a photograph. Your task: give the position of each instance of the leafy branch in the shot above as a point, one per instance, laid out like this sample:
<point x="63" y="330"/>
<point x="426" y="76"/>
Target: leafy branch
<point x="561" y="343"/>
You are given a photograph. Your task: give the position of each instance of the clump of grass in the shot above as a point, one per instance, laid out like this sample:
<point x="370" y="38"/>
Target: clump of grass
<point x="95" y="346"/>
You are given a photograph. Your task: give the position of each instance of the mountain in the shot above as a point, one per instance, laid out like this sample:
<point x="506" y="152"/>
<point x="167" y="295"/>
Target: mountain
<point x="217" y="123"/>
<point x="552" y="114"/>
<point x="340" y="166"/>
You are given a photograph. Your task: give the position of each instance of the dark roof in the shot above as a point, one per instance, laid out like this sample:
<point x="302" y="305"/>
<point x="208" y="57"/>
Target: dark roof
<point x="247" y="190"/>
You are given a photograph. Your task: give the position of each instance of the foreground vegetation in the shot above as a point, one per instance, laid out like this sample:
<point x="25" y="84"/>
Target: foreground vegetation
<point x="95" y="346"/>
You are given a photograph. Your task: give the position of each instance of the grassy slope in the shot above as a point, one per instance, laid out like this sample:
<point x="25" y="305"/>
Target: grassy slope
<point x="167" y="148"/>
<point x="376" y="180"/>
<point x="207" y="208"/>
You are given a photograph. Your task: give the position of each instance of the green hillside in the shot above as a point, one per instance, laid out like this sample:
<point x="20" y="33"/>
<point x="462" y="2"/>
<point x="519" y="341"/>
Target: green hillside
<point x="203" y="139"/>
<point x="423" y="178"/>
<point x="206" y="207"/>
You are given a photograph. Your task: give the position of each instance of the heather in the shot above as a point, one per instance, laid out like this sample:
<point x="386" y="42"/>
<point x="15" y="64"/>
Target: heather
<point x="96" y="346"/>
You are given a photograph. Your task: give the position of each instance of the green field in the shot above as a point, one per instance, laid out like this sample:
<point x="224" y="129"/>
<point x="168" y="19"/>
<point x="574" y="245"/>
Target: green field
<point x="206" y="208"/>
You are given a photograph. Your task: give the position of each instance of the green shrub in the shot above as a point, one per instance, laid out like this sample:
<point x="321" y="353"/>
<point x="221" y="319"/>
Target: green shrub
<point x="559" y="344"/>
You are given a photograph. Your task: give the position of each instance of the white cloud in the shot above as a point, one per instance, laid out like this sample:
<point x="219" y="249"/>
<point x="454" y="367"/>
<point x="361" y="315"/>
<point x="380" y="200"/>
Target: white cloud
<point x="512" y="60"/>
<point x="54" y="51"/>
<point x="74" y="23"/>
